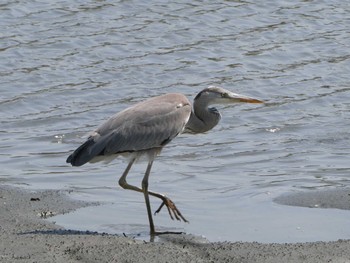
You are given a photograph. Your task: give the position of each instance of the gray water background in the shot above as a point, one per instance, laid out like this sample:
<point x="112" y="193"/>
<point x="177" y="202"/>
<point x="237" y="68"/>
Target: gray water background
<point x="66" y="66"/>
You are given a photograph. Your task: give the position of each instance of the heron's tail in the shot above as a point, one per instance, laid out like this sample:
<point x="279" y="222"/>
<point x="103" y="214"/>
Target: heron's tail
<point x="83" y="154"/>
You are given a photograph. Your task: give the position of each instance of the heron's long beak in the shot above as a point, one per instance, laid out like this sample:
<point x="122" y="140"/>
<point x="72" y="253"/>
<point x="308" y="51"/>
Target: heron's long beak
<point x="234" y="97"/>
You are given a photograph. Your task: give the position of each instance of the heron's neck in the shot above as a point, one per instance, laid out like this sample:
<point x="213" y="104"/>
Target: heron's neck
<point x="202" y="118"/>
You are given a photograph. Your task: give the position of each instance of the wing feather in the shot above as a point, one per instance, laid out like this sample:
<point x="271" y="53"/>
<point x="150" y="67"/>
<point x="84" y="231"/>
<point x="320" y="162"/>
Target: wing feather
<point x="149" y="124"/>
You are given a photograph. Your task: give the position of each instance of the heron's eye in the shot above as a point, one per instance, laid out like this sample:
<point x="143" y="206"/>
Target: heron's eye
<point x="224" y="95"/>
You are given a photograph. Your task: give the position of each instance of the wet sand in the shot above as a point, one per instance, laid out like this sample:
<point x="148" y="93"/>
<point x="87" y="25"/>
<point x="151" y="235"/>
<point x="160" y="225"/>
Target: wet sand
<point x="25" y="236"/>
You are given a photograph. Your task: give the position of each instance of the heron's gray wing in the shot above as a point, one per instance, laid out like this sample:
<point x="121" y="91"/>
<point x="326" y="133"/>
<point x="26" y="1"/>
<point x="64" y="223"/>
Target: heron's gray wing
<point x="146" y="125"/>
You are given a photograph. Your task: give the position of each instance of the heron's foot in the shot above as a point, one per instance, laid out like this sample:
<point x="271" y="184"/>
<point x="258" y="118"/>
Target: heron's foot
<point x="172" y="209"/>
<point x="157" y="233"/>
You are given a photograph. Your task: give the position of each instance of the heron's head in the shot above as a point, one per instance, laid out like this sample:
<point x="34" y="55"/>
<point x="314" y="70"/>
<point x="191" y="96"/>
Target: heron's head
<point x="217" y="95"/>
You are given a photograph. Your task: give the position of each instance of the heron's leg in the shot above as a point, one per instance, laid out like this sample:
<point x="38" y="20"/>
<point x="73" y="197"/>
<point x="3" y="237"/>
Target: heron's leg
<point x="122" y="180"/>
<point x="172" y="209"/>
<point x="145" y="192"/>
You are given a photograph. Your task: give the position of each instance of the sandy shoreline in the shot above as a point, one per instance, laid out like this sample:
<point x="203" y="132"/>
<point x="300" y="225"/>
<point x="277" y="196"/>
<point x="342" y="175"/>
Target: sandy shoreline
<point x="26" y="237"/>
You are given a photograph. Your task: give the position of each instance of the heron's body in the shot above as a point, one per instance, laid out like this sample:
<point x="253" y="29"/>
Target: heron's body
<point x="147" y="127"/>
<point x="137" y="128"/>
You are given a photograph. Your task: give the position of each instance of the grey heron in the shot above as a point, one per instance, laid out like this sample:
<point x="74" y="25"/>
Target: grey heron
<point x="146" y="127"/>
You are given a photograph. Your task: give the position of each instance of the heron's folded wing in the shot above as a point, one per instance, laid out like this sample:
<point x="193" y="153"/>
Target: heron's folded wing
<point x="146" y="129"/>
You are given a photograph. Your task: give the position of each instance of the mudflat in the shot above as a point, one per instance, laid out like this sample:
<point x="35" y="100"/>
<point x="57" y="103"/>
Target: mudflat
<point x="25" y="236"/>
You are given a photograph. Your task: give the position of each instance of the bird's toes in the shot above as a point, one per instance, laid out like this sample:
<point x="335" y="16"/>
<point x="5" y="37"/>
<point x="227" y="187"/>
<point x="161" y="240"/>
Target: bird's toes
<point x="172" y="210"/>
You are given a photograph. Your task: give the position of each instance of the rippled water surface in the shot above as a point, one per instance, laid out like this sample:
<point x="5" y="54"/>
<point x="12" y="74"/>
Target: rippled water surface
<point x="68" y="65"/>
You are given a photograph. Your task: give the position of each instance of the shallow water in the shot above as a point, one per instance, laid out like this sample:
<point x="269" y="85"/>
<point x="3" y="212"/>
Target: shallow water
<point x="67" y="66"/>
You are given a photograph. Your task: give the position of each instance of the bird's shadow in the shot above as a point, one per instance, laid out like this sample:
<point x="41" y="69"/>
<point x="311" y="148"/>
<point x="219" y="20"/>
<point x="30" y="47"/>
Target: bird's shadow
<point x="172" y="237"/>
<point x="63" y="232"/>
